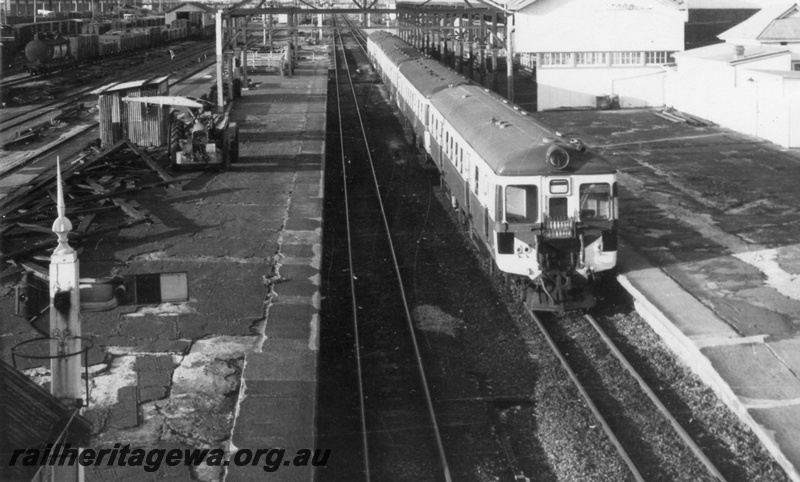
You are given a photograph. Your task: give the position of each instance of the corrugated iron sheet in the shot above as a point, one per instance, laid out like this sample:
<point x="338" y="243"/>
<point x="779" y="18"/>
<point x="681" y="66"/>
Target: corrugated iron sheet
<point x="142" y="124"/>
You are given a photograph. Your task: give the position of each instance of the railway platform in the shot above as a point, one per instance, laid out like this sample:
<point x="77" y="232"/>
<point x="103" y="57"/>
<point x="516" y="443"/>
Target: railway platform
<point x="282" y="135"/>
<point x="236" y="363"/>
<point x="711" y="257"/>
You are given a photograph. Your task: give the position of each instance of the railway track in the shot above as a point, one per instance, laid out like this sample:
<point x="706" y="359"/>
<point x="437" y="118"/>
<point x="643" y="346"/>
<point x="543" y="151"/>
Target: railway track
<point x="42" y="161"/>
<point x="476" y="404"/>
<point x="621" y="429"/>
<point x="45" y="109"/>
<point x="641" y="430"/>
<point x="397" y="417"/>
<point x="22" y="77"/>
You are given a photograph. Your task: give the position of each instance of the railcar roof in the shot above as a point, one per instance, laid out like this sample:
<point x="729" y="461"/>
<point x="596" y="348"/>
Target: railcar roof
<point x="511" y="143"/>
<point x="397" y="50"/>
<point x="426" y="75"/>
<point x="429" y="76"/>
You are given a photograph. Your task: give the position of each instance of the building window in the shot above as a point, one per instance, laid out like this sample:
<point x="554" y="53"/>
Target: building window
<point x="557" y="58"/>
<point x="658" y="57"/>
<point x="626" y="58"/>
<point x="527" y="60"/>
<point x="592" y="58"/>
<point x="796" y="66"/>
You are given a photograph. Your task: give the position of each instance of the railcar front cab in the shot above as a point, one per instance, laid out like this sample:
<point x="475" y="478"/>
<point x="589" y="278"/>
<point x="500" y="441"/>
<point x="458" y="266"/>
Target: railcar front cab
<point x="556" y="232"/>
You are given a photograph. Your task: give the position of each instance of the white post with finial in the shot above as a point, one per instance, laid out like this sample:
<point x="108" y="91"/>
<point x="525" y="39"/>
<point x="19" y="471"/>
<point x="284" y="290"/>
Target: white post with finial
<point x="65" y="324"/>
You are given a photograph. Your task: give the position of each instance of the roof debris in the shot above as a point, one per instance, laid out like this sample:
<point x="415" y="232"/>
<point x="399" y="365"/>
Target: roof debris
<point x="97" y="187"/>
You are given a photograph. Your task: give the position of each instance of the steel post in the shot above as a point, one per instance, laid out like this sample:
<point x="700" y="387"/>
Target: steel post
<point x="220" y="60"/>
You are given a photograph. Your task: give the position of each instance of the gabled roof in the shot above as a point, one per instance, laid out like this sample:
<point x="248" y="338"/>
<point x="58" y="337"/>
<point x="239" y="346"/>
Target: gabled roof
<point x="121" y="86"/>
<point x="781" y="22"/>
<point x="200" y="6"/>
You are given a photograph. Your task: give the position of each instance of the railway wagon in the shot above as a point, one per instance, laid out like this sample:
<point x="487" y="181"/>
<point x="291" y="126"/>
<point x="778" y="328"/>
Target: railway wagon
<point x="25" y="32"/>
<point x="45" y="55"/>
<point x="542" y="206"/>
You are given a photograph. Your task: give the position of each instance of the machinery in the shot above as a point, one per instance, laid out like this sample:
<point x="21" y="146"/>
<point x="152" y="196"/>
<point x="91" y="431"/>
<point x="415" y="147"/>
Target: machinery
<point x="203" y="139"/>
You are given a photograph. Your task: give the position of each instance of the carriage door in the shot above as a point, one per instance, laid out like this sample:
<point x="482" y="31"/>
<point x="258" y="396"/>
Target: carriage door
<point x="557" y="204"/>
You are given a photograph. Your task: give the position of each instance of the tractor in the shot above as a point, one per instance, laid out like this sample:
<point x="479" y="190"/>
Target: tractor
<point x="204" y="140"/>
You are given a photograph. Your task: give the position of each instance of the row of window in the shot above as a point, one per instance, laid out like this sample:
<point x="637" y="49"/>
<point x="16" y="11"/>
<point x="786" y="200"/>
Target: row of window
<point x="587" y="59"/>
<point x="522" y="202"/>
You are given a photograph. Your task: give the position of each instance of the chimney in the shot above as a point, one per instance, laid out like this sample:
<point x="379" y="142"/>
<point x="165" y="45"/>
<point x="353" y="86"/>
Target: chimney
<point x="738" y="52"/>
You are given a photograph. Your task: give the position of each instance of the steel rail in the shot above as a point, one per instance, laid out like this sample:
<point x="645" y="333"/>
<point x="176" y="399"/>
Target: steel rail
<point x="354" y="303"/>
<point x="595" y="411"/>
<point x="91" y="126"/>
<point x="712" y="469"/>
<point x="357" y="34"/>
<point x="409" y="321"/>
<point x="49" y="107"/>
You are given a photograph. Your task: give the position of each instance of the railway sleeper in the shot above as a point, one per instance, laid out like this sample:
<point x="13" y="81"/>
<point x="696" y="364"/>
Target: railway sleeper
<point x="562" y="292"/>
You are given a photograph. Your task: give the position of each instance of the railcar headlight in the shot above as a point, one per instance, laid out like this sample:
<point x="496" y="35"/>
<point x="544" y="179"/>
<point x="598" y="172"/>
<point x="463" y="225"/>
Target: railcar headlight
<point x="519" y="249"/>
<point x="557" y="157"/>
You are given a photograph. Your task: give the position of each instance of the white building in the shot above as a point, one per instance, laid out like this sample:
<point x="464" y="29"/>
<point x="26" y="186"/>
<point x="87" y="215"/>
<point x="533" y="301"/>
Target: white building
<point x="188" y="10"/>
<point x="589" y="48"/>
<point x="777" y="26"/>
<point x="751" y="83"/>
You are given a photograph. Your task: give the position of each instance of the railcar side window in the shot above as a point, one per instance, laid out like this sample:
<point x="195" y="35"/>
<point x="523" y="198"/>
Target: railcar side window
<point x="521" y="204"/>
<point x="595" y="201"/>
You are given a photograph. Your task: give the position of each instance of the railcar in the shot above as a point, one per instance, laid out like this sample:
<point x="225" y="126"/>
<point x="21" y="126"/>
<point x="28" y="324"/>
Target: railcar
<point x="542" y="206"/>
<point x="8" y="45"/>
<point x="45" y="55"/>
<point x="62" y="52"/>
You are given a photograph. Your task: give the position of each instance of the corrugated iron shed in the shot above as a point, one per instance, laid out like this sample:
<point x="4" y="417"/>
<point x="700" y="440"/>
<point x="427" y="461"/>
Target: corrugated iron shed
<point x="143" y="125"/>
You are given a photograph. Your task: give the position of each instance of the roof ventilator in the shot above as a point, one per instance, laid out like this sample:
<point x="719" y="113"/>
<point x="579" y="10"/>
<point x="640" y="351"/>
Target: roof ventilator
<point x="500" y="123"/>
<point x="578" y="144"/>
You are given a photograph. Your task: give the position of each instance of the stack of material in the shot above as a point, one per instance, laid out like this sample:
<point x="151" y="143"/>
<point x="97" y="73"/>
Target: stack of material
<point x="99" y="190"/>
<point x="674" y="115"/>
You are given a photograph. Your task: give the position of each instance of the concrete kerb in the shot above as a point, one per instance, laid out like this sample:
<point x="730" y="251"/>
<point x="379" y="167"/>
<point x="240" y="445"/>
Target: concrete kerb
<point x="690" y="353"/>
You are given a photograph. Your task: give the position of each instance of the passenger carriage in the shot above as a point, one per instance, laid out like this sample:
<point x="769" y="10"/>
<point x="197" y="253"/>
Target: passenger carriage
<point x="541" y="205"/>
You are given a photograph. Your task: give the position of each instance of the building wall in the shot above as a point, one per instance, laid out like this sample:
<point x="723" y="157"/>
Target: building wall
<point x="619" y="35"/>
<point x="742" y="98"/>
<point x="24" y="8"/>
<point x="169" y="17"/>
<point x="579" y="87"/>
<point x="599" y="25"/>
